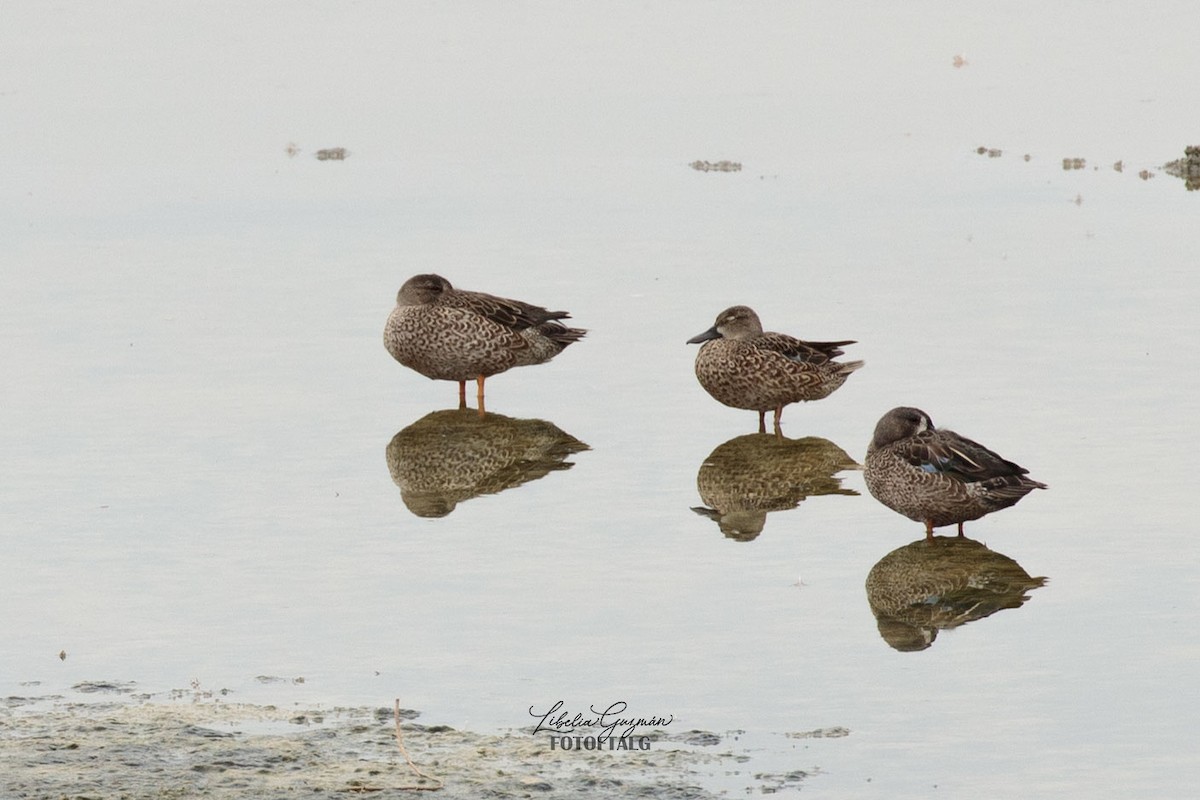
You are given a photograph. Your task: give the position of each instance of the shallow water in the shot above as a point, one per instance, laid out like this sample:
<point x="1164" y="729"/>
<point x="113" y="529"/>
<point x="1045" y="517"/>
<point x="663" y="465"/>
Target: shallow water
<point x="198" y="408"/>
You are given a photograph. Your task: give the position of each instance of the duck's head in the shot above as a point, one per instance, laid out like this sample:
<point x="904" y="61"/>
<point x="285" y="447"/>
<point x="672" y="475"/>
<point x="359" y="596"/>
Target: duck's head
<point x="736" y="322"/>
<point x="421" y="290"/>
<point x="900" y="423"/>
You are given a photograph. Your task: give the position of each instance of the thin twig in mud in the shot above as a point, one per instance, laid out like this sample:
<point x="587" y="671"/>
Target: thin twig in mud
<point x="411" y="765"/>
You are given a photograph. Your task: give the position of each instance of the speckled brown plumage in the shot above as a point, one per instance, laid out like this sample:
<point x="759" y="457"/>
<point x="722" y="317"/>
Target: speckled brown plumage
<point x="742" y="366"/>
<point x="449" y="334"/>
<point x="936" y="476"/>
<point x="941" y="582"/>
<point x="450" y="456"/>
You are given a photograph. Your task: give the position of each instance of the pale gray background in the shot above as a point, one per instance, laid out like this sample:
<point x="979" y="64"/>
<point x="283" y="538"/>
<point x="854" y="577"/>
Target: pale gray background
<point x="196" y="400"/>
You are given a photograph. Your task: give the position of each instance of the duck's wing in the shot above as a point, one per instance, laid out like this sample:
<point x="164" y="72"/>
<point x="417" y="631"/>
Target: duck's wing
<point x="512" y="314"/>
<point x="800" y="350"/>
<point x="560" y="334"/>
<point x="958" y="457"/>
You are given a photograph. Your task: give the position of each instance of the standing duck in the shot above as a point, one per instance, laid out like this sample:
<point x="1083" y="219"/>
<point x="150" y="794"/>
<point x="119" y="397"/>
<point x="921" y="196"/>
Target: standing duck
<point x="454" y="335"/>
<point x="936" y="476"/>
<point x="743" y="367"/>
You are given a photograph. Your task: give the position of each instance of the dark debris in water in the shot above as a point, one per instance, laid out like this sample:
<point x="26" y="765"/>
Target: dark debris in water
<point x="385" y="714"/>
<point x="1186" y="168"/>
<point x="108" y="687"/>
<point x="204" y="733"/>
<point x="698" y="738"/>
<point x="716" y="166"/>
<point x="14" y="701"/>
<point x="268" y="679"/>
<point x="325" y="154"/>
<point x="835" y="732"/>
<point x="777" y="782"/>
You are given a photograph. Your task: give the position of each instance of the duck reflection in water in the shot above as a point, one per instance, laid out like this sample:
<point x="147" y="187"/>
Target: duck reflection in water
<point x="938" y="583"/>
<point x="450" y="456"/>
<point x="749" y="476"/>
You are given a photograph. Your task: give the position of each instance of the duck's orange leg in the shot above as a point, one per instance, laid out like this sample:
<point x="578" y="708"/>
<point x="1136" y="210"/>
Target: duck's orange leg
<point x="928" y="529"/>
<point x="762" y="422"/>
<point x="479" y="380"/>
<point x="778" y="417"/>
<point x="960" y="532"/>
<point x="462" y="395"/>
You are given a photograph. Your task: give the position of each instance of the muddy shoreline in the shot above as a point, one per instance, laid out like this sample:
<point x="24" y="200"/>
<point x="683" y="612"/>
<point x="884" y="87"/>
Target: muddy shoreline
<point x="174" y="747"/>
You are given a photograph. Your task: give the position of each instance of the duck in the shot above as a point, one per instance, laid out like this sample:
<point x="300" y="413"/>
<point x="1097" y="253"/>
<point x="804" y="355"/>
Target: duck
<point x="742" y="366"/>
<point x="451" y="334"/>
<point x="936" y="476"/>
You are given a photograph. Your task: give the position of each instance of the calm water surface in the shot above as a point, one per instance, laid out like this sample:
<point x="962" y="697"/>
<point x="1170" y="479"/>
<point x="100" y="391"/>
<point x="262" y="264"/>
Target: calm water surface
<point x="197" y="406"/>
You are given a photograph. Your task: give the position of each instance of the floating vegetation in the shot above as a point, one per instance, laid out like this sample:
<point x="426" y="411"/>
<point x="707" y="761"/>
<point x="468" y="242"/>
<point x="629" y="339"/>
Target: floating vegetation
<point x="990" y="152"/>
<point x="292" y="149"/>
<point x="716" y="166"/>
<point x="333" y="154"/>
<point x="1074" y="163"/>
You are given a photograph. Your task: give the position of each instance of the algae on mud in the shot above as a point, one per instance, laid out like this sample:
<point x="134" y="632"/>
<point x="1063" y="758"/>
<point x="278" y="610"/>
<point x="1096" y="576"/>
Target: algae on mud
<point x="139" y="748"/>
